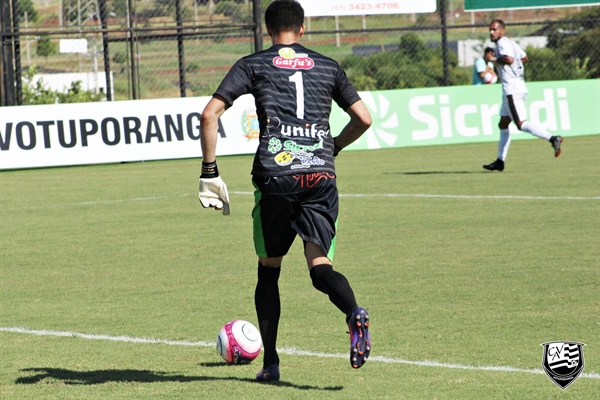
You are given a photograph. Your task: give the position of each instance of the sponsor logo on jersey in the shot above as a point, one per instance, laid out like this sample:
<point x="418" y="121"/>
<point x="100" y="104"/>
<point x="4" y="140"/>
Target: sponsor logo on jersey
<point x="284" y="158"/>
<point x="289" y="59"/>
<point x="294" y="147"/>
<point x="306" y="160"/>
<point x="307" y="131"/>
<point x="275" y="146"/>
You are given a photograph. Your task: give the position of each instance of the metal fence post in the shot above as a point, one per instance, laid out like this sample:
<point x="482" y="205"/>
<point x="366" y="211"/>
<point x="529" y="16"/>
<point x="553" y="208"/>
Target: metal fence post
<point x="180" y="49"/>
<point x="104" y="22"/>
<point x="257" y="17"/>
<point x="134" y="74"/>
<point x="17" y="50"/>
<point x="8" y="76"/>
<point x="444" y="42"/>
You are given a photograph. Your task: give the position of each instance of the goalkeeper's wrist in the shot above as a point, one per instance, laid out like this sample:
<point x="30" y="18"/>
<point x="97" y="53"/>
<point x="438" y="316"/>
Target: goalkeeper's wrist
<point x="336" y="148"/>
<point x="209" y="170"/>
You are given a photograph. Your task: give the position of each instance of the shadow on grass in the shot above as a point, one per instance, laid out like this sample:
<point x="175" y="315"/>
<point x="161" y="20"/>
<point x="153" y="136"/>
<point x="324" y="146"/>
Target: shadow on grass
<point x="69" y="377"/>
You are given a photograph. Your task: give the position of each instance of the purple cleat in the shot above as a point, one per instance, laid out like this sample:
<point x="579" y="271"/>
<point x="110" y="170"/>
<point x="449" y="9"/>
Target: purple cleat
<point x="360" y="341"/>
<point x="269" y="374"/>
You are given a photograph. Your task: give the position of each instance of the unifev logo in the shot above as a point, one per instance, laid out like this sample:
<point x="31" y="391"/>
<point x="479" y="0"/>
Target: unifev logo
<point x="289" y="59"/>
<point x="563" y="362"/>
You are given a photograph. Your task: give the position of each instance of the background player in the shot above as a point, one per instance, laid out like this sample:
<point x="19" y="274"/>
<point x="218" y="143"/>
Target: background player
<point x="293" y="171"/>
<point x="509" y="58"/>
<point x="484" y="68"/>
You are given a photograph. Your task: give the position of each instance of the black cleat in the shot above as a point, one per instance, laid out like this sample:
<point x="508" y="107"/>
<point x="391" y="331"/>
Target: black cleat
<point x="269" y="374"/>
<point x="497" y="165"/>
<point x="360" y="339"/>
<point x="556" y="141"/>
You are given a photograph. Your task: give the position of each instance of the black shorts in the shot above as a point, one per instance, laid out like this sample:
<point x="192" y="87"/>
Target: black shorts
<point x="290" y="205"/>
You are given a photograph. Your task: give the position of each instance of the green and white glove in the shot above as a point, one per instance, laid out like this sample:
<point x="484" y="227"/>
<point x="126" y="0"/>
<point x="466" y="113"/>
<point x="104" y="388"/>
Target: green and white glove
<point x="212" y="191"/>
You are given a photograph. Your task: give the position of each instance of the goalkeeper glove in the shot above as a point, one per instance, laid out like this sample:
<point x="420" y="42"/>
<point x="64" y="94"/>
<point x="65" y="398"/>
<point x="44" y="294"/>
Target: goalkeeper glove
<point x="212" y="191"/>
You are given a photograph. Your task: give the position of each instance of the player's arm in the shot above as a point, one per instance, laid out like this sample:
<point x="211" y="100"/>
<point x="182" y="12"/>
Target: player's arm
<point x="525" y="59"/>
<point x="212" y="191"/>
<point x="209" y="127"/>
<point x="360" y="121"/>
<point x="504" y="60"/>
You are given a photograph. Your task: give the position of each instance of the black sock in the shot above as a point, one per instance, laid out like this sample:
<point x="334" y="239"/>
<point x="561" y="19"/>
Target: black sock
<point x="335" y="285"/>
<point x="268" y="310"/>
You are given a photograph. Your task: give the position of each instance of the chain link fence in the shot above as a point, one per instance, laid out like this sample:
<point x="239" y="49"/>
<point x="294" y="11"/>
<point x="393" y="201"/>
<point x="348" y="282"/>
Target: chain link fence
<point x="92" y="50"/>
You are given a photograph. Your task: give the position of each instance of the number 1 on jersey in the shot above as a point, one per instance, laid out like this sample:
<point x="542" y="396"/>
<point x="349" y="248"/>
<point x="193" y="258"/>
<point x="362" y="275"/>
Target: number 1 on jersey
<point x="297" y="79"/>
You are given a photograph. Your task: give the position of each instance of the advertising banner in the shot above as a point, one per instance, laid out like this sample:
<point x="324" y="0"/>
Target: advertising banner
<point x="487" y="5"/>
<point x="469" y="114"/>
<point x="92" y="133"/>
<point x="323" y="8"/>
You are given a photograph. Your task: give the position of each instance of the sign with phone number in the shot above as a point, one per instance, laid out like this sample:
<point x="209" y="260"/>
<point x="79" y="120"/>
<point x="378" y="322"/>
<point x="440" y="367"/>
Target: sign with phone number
<point x="320" y="8"/>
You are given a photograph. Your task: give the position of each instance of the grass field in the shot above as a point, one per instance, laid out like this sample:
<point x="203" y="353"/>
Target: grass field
<point x="465" y="273"/>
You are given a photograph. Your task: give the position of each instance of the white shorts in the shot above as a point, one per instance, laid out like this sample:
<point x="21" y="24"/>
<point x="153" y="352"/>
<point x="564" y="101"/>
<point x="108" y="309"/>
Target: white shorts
<point x="513" y="106"/>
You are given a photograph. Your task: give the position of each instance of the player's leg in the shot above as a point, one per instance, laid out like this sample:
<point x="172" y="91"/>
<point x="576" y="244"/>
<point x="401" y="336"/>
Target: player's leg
<point x="503" y="145"/>
<point x="327" y="280"/>
<point x="504" y="142"/>
<point x="316" y="225"/>
<point x="538" y="130"/>
<point x="337" y="287"/>
<point x="273" y="236"/>
<point x="534" y="128"/>
<point x="268" y="311"/>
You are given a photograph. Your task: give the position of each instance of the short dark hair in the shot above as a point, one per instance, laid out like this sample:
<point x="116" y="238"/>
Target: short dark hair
<point x="500" y="22"/>
<point x="488" y="50"/>
<point x="284" y="15"/>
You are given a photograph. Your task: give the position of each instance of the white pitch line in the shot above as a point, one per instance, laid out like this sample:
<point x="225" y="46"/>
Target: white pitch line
<point x="287" y="350"/>
<point x="126" y="339"/>
<point x="93" y="203"/>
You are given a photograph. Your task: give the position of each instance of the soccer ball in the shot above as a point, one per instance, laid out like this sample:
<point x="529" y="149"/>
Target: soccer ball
<point x="490" y="78"/>
<point x="239" y="342"/>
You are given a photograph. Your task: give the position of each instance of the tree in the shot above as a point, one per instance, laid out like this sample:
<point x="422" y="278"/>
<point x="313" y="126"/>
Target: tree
<point x="46" y="48"/>
<point x="26" y="6"/>
<point x="578" y="44"/>
<point x="415" y="65"/>
<point x="39" y="93"/>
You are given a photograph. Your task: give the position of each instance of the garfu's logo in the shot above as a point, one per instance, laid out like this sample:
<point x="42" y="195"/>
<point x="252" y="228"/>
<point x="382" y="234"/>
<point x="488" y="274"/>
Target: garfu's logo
<point x="563" y="362"/>
<point x="289" y="59"/>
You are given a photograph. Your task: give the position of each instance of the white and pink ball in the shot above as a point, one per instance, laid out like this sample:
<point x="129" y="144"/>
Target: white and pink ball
<point x="239" y="342"/>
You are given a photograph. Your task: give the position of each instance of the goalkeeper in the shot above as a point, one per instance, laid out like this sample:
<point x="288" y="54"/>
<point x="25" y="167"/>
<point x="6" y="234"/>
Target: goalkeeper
<point x="293" y="171"/>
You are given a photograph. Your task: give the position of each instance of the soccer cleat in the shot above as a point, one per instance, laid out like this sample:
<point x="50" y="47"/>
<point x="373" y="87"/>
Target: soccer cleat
<point x="556" y="141"/>
<point x="497" y="165"/>
<point x="271" y="373"/>
<point x="360" y="340"/>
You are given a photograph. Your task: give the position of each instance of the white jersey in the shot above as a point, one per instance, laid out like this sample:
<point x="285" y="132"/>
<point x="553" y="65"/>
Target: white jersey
<point x="511" y="76"/>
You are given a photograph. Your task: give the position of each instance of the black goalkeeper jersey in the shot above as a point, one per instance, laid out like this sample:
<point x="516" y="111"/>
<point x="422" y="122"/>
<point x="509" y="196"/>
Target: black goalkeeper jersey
<point x="293" y="88"/>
